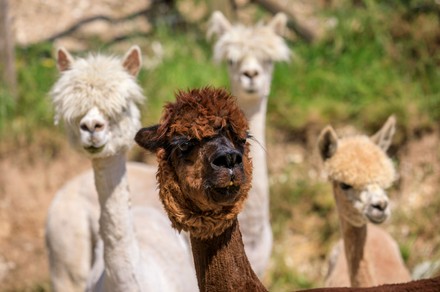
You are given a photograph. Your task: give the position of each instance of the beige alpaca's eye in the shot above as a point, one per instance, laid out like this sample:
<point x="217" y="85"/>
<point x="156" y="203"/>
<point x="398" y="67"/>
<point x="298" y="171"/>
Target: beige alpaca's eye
<point x="345" y="186"/>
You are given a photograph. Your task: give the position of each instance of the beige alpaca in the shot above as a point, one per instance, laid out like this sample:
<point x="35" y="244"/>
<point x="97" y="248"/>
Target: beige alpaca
<point x="360" y="171"/>
<point x="97" y="99"/>
<point x="250" y="53"/>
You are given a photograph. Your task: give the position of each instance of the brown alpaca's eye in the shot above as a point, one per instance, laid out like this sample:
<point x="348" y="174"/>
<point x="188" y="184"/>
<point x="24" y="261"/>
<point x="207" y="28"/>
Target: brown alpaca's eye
<point x="345" y="187"/>
<point x="184" y="146"/>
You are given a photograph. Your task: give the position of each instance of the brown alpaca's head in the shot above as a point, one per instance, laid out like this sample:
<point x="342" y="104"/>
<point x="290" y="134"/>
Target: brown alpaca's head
<point x="204" y="169"/>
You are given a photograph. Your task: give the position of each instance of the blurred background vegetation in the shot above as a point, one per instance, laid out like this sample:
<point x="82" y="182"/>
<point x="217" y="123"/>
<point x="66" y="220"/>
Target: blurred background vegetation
<point x="374" y="58"/>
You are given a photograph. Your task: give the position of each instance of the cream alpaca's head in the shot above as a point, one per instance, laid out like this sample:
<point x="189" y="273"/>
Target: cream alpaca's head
<point x="97" y="99"/>
<point x="250" y="53"/>
<point x="360" y="172"/>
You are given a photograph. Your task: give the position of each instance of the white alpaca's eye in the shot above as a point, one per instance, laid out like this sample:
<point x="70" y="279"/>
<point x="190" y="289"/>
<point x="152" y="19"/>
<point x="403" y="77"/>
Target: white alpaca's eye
<point x="268" y="62"/>
<point x="230" y="62"/>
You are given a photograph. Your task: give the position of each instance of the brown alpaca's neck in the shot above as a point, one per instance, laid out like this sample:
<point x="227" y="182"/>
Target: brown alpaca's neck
<point x="355" y="238"/>
<point x="121" y="250"/>
<point x="221" y="263"/>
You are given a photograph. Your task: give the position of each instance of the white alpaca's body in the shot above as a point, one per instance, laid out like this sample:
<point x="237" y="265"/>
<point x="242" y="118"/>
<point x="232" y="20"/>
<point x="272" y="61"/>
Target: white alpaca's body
<point x="250" y="53"/>
<point x="101" y="238"/>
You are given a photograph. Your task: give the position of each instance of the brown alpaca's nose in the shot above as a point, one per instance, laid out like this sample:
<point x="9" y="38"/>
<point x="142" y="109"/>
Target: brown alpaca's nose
<point x="228" y="159"/>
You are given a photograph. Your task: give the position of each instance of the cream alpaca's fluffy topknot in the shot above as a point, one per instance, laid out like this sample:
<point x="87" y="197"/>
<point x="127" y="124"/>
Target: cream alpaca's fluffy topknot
<point x="260" y="41"/>
<point x="359" y="162"/>
<point x="99" y="81"/>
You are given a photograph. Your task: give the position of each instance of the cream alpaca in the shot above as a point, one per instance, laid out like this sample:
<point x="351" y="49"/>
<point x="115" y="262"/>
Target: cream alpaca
<point x="250" y="53"/>
<point x="360" y="172"/>
<point x="97" y="99"/>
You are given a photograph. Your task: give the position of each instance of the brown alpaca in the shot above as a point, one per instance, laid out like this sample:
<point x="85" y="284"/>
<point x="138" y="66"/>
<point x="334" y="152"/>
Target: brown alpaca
<point x="204" y="177"/>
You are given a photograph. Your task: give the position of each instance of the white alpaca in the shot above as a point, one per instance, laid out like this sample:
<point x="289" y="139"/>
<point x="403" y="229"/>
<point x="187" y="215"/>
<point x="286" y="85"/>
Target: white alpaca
<point x="360" y="171"/>
<point x="250" y="53"/>
<point x="97" y="99"/>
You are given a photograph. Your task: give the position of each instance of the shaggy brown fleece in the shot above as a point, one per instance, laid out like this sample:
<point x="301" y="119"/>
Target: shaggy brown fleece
<point x="196" y="114"/>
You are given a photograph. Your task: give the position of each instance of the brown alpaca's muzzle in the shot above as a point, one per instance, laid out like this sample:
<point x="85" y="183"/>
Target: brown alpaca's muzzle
<point x="226" y="175"/>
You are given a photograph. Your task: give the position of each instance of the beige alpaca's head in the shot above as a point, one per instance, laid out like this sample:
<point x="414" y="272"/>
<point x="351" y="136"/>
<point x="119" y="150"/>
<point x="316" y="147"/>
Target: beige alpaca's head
<point x="97" y="98"/>
<point x="204" y="169"/>
<point x="360" y="171"/>
<point x="250" y="53"/>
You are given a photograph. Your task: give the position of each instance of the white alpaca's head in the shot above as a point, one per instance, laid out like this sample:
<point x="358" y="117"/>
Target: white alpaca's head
<point x="97" y="98"/>
<point x="360" y="172"/>
<point x="250" y="53"/>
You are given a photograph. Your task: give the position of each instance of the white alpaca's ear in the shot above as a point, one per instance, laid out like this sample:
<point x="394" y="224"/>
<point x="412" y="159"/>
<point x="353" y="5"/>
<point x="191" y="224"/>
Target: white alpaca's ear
<point x="327" y="143"/>
<point x="384" y="136"/>
<point x="132" y="60"/>
<point x="64" y="60"/>
<point x="218" y="24"/>
<point x="278" y="23"/>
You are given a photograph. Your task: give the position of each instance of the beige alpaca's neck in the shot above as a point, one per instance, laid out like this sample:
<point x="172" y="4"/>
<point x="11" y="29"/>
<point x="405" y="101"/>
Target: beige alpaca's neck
<point x="121" y="250"/>
<point x="355" y="238"/>
<point x="221" y="263"/>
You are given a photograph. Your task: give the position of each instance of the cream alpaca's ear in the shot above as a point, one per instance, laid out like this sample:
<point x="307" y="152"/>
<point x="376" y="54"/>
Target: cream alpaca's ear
<point x="278" y="23"/>
<point x="64" y="60"/>
<point x="384" y="136"/>
<point x="132" y="60"/>
<point x="218" y="24"/>
<point x="327" y="143"/>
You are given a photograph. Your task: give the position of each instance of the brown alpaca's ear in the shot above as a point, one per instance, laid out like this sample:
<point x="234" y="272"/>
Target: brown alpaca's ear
<point x="384" y="136"/>
<point x="327" y="143"/>
<point x="218" y="25"/>
<point x="278" y="23"/>
<point x="133" y="60"/>
<point x="64" y="60"/>
<point x="148" y="138"/>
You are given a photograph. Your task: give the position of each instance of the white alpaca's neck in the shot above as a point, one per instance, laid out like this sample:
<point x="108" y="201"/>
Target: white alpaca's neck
<point x="254" y="219"/>
<point x="121" y="250"/>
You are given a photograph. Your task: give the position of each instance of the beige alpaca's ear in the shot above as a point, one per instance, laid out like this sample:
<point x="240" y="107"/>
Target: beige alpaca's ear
<point x="132" y="60"/>
<point x="218" y="25"/>
<point x="327" y="143"/>
<point x="278" y="23"/>
<point x="384" y="136"/>
<point x="64" y="60"/>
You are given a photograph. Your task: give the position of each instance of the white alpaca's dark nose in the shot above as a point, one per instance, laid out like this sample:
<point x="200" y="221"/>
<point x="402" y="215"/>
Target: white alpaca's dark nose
<point x="250" y="73"/>
<point x="92" y="126"/>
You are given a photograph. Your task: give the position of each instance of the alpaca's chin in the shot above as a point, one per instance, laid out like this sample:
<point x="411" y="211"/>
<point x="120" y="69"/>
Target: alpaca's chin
<point x="94" y="150"/>
<point x="226" y="195"/>
<point x="376" y="216"/>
